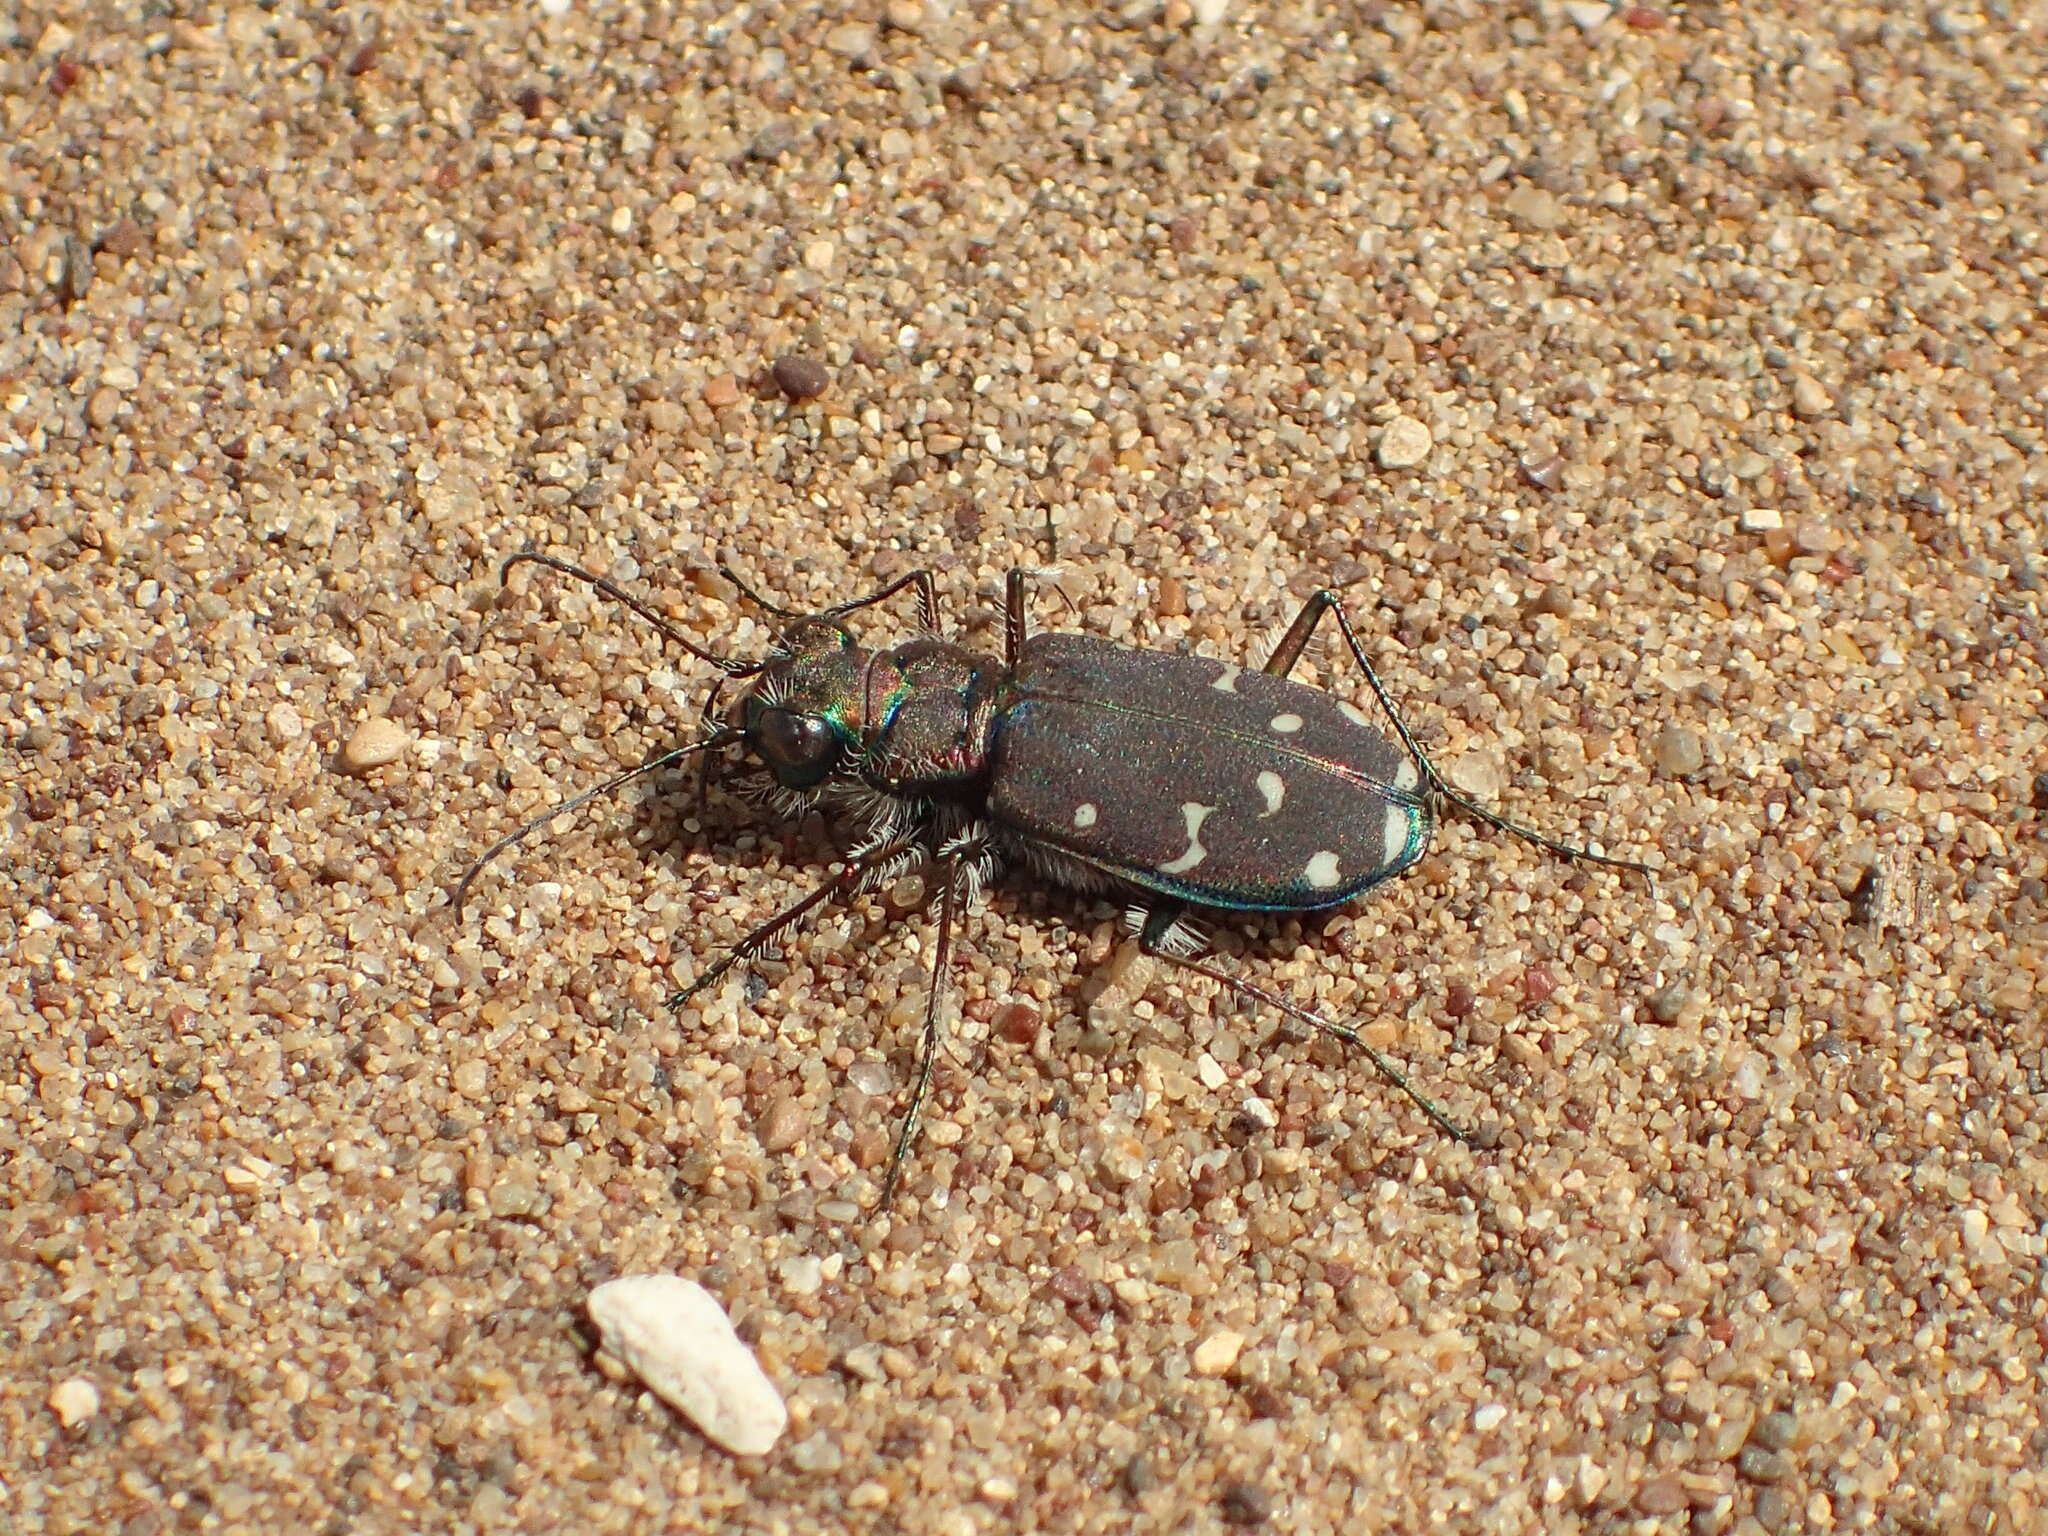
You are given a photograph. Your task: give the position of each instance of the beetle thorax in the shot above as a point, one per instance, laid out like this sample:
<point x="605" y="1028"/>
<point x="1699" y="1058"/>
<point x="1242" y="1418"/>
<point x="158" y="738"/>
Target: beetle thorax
<point x="929" y="707"/>
<point x="831" y="719"/>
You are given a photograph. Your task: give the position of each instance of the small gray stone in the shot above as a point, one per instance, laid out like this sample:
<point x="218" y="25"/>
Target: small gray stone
<point x="818" y="1453"/>
<point x="1678" y="752"/>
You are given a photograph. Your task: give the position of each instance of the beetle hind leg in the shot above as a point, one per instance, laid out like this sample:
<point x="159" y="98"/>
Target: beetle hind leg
<point x="1164" y="934"/>
<point x="1288" y="653"/>
<point x="1167" y="931"/>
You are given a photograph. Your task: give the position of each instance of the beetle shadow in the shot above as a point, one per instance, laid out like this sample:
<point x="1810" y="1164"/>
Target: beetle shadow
<point x="748" y="840"/>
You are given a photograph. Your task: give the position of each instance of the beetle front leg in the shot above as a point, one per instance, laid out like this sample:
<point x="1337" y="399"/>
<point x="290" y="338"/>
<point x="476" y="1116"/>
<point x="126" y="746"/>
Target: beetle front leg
<point x="850" y="879"/>
<point x="1166" y="935"/>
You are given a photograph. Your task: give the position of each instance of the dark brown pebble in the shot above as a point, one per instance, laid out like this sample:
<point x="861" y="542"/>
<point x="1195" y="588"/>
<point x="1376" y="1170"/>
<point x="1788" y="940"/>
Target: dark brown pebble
<point x="1246" y="1504"/>
<point x="800" y="377"/>
<point x="1137" y="1477"/>
<point x="1262" y="1401"/>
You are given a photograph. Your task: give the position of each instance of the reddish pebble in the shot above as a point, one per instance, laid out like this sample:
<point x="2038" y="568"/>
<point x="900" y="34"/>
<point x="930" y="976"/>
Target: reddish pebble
<point x="1643" y="19"/>
<point x="1018" y="1023"/>
<point x="782" y="1124"/>
<point x="1538" y="984"/>
<point x="1460" y="1000"/>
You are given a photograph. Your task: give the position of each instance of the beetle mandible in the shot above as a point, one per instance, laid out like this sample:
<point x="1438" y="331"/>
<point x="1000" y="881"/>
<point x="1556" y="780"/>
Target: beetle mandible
<point x="1176" y="782"/>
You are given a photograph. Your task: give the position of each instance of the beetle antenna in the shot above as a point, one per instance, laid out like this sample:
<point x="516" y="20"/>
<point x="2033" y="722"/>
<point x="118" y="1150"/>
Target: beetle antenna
<point x="730" y="666"/>
<point x="617" y="781"/>
<point x="773" y="610"/>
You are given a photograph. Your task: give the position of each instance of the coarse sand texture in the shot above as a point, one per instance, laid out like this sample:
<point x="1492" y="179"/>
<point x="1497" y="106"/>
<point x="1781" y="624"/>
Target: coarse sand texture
<point x="1662" y="387"/>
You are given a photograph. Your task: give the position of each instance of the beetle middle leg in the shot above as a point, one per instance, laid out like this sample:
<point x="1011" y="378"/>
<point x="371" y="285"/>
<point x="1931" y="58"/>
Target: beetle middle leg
<point x="1288" y="652"/>
<point x="920" y="580"/>
<point x="955" y="879"/>
<point x="1166" y="935"/>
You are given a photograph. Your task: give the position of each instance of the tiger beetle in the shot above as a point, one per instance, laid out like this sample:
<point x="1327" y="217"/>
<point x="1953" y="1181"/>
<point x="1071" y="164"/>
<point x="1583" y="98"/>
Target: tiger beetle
<point x="1172" y="782"/>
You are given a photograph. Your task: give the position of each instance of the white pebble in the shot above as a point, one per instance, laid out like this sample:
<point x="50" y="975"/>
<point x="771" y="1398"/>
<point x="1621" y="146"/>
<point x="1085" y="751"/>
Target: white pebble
<point x="1403" y="444"/>
<point x="1216" y="1354"/>
<point x="673" y="1335"/>
<point x="284" y="723"/>
<point x="74" y="1401"/>
<point x="802" y="1274"/>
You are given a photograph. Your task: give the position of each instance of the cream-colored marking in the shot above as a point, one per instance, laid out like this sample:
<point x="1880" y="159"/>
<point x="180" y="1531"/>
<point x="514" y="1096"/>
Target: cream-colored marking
<point x="1400" y="824"/>
<point x="1356" y="715"/>
<point x="1194" y="815"/>
<point x="1407" y="776"/>
<point x="1274" y="788"/>
<point x="1084" y="816"/>
<point x="1286" y="725"/>
<point x="1321" y="871"/>
<point x="1227" y="683"/>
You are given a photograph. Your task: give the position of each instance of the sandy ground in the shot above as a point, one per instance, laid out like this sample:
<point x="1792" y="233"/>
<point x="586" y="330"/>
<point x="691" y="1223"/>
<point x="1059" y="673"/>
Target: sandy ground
<point x="1664" y="390"/>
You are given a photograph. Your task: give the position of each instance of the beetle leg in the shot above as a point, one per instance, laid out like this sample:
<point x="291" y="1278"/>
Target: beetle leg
<point x="927" y="599"/>
<point x="921" y="579"/>
<point x="954" y="873"/>
<point x="1016" y="620"/>
<point x="849" y="879"/>
<point x="1295" y="641"/>
<point x="1163" y="937"/>
<point x="1288" y="652"/>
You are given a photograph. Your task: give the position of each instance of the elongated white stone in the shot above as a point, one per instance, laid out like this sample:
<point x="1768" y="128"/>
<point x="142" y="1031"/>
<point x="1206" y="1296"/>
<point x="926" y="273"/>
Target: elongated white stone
<point x="673" y="1335"/>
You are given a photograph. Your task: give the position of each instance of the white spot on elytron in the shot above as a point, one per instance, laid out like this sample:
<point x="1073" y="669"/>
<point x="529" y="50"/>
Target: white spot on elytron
<point x="1274" y="788"/>
<point x="1286" y="725"/>
<point x="1084" y="816"/>
<point x="1356" y="715"/>
<point x="1227" y="683"/>
<point x="1400" y="824"/>
<point x="1194" y="815"/>
<point x="1407" y="776"/>
<point x="1321" y="871"/>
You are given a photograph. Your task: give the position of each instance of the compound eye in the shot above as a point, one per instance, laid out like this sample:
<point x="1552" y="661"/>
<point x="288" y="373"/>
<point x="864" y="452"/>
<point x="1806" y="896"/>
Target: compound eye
<point x="799" y="749"/>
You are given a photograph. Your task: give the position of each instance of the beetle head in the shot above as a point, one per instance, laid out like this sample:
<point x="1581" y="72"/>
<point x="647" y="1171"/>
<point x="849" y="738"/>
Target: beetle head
<point x="803" y="717"/>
